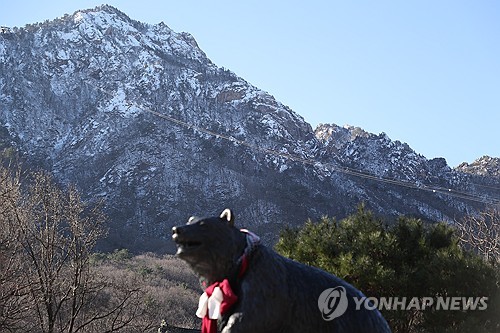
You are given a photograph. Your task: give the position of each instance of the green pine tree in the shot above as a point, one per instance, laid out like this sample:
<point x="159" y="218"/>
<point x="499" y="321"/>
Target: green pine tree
<point x="409" y="258"/>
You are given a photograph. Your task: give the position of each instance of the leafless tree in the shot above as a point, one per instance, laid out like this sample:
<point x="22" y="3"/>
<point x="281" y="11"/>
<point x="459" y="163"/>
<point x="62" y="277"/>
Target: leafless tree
<point x="13" y="287"/>
<point x="56" y="233"/>
<point x="48" y="283"/>
<point x="481" y="233"/>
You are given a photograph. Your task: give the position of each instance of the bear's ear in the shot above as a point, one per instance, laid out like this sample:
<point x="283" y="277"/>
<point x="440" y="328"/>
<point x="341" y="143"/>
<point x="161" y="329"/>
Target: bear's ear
<point x="193" y="219"/>
<point x="227" y="215"/>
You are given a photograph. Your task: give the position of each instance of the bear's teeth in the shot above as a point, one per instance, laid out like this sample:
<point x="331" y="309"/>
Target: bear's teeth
<point x="189" y="244"/>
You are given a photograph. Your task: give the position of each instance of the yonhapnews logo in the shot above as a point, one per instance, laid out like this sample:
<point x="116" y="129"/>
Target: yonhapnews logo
<point x="333" y="303"/>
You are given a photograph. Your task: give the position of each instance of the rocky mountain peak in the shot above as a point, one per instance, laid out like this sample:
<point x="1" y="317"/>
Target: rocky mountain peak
<point x="104" y="14"/>
<point x="484" y="166"/>
<point x="335" y="137"/>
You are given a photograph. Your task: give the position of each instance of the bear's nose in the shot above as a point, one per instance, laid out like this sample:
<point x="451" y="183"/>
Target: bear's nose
<point x="175" y="233"/>
<point x="174" y="230"/>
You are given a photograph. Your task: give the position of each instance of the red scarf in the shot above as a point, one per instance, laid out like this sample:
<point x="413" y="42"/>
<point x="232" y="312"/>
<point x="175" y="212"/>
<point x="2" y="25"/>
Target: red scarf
<point x="219" y="297"/>
<point x="209" y="322"/>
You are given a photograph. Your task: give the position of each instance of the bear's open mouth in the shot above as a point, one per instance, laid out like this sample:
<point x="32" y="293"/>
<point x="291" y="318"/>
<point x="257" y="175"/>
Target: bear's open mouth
<point x="185" y="241"/>
<point x="183" y="246"/>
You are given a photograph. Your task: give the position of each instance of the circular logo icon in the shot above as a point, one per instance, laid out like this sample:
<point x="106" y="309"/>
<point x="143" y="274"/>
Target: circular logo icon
<point x="333" y="303"/>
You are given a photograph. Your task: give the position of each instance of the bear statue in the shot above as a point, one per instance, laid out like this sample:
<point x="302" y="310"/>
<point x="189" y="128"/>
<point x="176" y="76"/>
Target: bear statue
<point x="249" y="288"/>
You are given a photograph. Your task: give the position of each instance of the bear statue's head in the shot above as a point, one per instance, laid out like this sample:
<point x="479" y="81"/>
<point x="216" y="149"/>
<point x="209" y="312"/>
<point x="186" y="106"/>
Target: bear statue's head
<point x="211" y="246"/>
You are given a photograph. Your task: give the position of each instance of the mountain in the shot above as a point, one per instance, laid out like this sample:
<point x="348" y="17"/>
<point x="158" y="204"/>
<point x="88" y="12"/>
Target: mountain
<point x="485" y="166"/>
<point x="138" y="115"/>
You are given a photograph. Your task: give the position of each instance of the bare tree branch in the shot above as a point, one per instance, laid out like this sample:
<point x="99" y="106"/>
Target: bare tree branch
<point x="481" y="233"/>
<point x="47" y="284"/>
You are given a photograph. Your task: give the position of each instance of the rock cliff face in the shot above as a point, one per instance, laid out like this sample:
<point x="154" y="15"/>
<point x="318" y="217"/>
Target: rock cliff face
<point x="485" y="166"/>
<point x="138" y="115"/>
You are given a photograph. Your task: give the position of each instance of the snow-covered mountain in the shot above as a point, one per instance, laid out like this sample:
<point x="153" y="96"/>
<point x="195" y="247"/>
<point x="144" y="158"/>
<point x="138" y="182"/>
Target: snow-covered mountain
<point x="137" y="114"/>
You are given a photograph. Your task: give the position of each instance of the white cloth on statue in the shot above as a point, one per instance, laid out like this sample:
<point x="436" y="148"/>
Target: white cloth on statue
<point x="210" y="304"/>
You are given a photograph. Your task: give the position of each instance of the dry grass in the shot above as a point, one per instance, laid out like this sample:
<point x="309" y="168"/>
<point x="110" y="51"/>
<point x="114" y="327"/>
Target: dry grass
<point x="169" y="288"/>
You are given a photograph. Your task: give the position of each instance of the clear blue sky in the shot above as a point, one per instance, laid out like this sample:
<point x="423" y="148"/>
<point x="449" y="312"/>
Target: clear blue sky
<point x="425" y="72"/>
